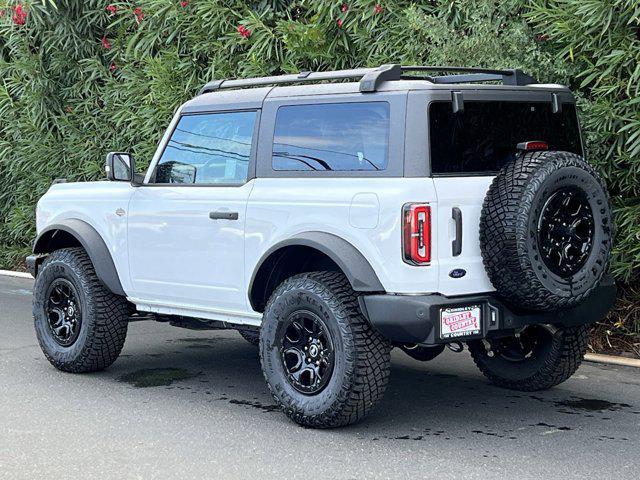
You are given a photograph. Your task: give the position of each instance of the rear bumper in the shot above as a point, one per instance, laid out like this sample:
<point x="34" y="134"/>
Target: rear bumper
<point x="416" y="318"/>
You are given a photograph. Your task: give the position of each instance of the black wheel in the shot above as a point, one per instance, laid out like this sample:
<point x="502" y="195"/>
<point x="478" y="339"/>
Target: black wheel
<point x="422" y="354"/>
<point x="539" y="357"/>
<point x="251" y="336"/>
<point x="80" y="325"/>
<point x="546" y="230"/>
<point x="323" y="363"/>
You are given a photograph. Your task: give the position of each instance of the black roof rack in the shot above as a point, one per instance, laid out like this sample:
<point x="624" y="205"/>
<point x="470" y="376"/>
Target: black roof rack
<point x="371" y="78"/>
<point x="471" y="75"/>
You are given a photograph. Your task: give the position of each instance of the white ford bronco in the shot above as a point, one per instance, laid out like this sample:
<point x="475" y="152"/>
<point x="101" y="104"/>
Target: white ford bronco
<point x="332" y="216"/>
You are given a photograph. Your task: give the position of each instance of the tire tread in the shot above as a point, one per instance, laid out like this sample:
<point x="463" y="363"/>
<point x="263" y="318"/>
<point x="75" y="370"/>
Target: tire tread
<point x="369" y="355"/>
<point x="563" y="360"/>
<point x="503" y="236"/>
<point x="110" y="315"/>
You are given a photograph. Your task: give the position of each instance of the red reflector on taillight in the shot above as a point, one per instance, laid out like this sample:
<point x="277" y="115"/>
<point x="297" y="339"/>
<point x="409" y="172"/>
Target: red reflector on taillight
<point x="532" y="146"/>
<point x="416" y="232"/>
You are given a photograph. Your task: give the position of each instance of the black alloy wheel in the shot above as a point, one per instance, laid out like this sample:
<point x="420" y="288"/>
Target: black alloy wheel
<point x="64" y="312"/>
<point x="565" y="231"/>
<point x="532" y="341"/>
<point x="306" y="350"/>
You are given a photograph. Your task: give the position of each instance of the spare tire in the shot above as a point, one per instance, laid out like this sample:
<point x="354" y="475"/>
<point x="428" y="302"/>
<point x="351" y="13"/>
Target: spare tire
<point x="546" y="230"/>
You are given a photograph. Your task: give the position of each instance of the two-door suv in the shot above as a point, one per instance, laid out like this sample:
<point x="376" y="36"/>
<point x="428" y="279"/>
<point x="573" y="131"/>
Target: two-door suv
<point x="332" y="216"/>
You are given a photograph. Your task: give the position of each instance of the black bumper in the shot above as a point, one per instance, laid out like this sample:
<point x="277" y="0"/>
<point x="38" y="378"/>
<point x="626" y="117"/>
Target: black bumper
<point x="416" y="318"/>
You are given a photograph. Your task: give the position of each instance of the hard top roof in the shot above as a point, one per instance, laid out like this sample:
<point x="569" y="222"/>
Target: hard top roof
<point x="251" y="92"/>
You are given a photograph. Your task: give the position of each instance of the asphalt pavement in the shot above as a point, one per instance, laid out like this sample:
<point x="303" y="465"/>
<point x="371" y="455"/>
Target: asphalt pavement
<point x="193" y="404"/>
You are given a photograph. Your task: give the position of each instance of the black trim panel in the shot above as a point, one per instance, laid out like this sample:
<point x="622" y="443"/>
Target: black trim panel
<point x="92" y="242"/>
<point x="355" y="266"/>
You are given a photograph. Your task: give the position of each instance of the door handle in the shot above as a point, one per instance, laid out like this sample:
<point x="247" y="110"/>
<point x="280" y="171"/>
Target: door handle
<point x="223" y="215"/>
<point x="456" y="244"/>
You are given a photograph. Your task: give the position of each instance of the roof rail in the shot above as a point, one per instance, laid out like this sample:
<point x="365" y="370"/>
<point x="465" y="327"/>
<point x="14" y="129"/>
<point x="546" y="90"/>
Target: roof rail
<point x="371" y="78"/>
<point x="470" y="75"/>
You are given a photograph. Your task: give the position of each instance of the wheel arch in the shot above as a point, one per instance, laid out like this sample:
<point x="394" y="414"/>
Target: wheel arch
<point x="310" y="249"/>
<point x="77" y="233"/>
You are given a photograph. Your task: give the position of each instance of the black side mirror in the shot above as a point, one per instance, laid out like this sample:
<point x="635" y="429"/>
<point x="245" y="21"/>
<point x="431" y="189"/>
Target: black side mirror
<point x="120" y="167"/>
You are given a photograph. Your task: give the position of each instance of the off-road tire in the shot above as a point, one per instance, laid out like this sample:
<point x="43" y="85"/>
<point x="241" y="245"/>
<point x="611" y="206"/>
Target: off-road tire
<point x="561" y="360"/>
<point x="104" y="315"/>
<point x="362" y="355"/>
<point x="251" y="336"/>
<point x="509" y="230"/>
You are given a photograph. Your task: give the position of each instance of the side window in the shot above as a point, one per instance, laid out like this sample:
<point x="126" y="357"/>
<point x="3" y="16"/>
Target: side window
<point x="208" y="149"/>
<point x="332" y="136"/>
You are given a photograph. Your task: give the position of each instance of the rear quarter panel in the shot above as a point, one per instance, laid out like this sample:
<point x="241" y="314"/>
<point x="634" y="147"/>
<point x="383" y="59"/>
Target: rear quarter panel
<point x="366" y="212"/>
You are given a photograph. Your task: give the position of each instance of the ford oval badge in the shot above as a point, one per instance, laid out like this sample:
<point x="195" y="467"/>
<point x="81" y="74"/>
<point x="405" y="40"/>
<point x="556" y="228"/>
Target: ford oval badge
<point x="457" y="273"/>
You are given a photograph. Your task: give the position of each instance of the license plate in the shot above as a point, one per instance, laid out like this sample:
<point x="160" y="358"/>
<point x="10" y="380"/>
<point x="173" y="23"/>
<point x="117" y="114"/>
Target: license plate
<point x="460" y="321"/>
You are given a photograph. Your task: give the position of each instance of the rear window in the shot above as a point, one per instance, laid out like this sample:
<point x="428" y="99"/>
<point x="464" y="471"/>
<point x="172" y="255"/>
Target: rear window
<point x="482" y="138"/>
<point x="332" y="137"/>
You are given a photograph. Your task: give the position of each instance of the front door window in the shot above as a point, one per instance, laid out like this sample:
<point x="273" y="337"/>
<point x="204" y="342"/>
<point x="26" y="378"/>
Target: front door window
<point x="208" y="149"/>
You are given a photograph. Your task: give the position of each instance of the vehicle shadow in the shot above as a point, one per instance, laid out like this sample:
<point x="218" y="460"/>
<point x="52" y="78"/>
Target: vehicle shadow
<point x="445" y="398"/>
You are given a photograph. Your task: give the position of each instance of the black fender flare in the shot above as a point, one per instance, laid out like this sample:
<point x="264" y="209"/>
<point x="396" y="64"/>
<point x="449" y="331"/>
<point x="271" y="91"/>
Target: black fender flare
<point x="93" y="244"/>
<point x="353" y="264"/>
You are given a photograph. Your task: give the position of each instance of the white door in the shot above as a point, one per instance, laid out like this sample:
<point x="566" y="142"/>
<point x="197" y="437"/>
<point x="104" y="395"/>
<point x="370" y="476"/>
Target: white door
<point x="186" y="226"/>
<point x="458" y="234"/>
<point x="469" y="147"/>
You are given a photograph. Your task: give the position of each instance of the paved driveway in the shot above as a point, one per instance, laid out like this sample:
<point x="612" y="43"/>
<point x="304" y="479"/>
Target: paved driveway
<point x="191" y="404"/>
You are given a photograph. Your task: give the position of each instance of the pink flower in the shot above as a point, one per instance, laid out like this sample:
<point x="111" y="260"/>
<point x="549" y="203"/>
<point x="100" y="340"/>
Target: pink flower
<point x="244" y="31"/>
<point x="69" y="109"/>
<point x="542" y="38"/>
<point x="184" y="4"/>
<point x="2" y="13"/>
<point x="112" y="9"/>
<point x="105" y="43"/>
<point x="113" y="67"/>
<point x="19" y="15"/>
<point x="139" y="14"/>
<point x="339" y="22"/>
<point x="377" y="9"/>
<point x="345" y="8"/>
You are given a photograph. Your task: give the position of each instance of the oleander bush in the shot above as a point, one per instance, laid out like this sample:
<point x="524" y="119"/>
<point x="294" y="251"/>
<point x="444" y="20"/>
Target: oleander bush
<point x="81" y="78"/>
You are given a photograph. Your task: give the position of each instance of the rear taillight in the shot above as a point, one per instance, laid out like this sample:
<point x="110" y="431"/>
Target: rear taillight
<point x="532" y="146"/>
<point x="416" y="233"/>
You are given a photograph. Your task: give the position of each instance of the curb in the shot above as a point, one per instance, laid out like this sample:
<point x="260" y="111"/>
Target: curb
<point x="612" y="360"/>
<point x="11" y="273"/>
